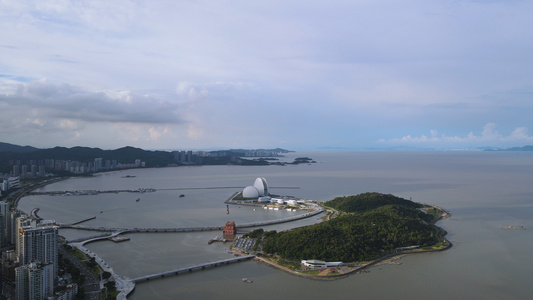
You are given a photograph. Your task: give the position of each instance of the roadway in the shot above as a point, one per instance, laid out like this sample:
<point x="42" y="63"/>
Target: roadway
<point x="92" y="284"/>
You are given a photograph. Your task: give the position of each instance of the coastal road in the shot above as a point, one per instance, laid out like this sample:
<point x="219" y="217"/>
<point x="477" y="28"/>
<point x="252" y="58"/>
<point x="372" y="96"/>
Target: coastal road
<point x="92" y="284"/>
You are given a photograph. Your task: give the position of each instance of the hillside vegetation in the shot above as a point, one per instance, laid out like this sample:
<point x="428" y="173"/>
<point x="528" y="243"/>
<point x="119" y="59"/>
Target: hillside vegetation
<point x="370" y="226"/>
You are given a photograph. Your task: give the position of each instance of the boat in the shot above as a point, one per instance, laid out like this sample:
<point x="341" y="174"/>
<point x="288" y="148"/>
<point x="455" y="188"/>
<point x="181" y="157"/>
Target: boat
<point x="138" y="199"/>
<point x="246" y="280"/>
<point x="181" y="195"/>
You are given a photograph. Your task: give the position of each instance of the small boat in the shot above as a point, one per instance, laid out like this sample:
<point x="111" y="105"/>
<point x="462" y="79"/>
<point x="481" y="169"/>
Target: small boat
<point x="246" y="280"/>
<point x="138" y="199"/>
<point x="181" y="196"/>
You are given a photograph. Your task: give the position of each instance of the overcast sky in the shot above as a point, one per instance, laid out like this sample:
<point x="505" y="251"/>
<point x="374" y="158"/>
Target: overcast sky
<point x="254" y="74"/>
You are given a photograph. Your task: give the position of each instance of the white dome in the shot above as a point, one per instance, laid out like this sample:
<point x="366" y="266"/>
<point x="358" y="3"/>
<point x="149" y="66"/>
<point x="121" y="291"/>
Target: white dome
<point x="261" y="185"/>
<point x="250" y="192"/>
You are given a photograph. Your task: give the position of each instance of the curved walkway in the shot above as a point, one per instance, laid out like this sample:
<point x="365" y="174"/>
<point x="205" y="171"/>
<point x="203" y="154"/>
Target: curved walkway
<point x="123" y="284"/>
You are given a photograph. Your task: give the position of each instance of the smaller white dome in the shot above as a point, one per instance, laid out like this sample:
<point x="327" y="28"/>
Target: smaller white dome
<point x="250" y="192"/>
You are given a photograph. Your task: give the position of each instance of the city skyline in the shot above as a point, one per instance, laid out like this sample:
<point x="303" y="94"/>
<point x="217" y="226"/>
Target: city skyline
<point x="194" y="75"/>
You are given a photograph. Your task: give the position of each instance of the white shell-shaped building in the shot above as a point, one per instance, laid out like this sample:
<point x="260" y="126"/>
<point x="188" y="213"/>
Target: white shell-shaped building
<point x="250" y="192"/>
<point x="261" y="185"/>
<point x="258" y="190"/>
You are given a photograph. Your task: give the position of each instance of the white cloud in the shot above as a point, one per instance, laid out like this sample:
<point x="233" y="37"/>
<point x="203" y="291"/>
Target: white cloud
<point x="489" y="134"/>
<point x="157" y="132"/>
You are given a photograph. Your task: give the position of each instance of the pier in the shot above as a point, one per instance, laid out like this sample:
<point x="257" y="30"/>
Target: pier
<point x="193" y="268"/>
<point x="83" y="220"/>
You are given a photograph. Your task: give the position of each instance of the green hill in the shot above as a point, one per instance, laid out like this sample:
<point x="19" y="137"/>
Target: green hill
<point x="368" y="201"/>
<point x="370" y="226"/>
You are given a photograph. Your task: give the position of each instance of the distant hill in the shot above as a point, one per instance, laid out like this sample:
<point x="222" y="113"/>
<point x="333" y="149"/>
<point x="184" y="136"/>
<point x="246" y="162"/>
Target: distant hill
<point x="277" y="150"/>
<point x="85" y="154"/>
<point x="126" y="155"/>
<point x="368" y="201"/>
<point x="524" y="148"/>
<point x="5" y="147"/>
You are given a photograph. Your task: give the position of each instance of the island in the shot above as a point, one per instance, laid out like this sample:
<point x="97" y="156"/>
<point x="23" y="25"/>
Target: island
<point x="359" y="231"/>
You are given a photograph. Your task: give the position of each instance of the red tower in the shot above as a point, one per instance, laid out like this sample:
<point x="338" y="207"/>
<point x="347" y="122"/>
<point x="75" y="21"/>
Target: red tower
<point x="229" y="231"/>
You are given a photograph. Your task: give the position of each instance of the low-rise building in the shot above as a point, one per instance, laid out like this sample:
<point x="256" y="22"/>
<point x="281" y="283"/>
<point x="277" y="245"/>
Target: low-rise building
<point x="319" y="264"/>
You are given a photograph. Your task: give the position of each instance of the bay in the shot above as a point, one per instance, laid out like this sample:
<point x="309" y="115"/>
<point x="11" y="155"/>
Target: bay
<point x="484" y="191"/>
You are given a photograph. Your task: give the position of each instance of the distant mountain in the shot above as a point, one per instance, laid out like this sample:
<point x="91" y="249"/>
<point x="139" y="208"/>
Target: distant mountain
<point x="126" y="155"/>
<point x="524" y="148"/>
<point x="86" y="154"/>
<point x="276" y="150"/>
<point x="5" y="147"/>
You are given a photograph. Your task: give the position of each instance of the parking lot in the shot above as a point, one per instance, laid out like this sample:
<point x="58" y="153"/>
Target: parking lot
<point x="244" y="244"/>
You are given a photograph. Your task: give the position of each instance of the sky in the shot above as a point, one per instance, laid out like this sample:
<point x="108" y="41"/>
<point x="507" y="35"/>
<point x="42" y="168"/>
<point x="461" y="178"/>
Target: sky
<point x="178" y="75"/>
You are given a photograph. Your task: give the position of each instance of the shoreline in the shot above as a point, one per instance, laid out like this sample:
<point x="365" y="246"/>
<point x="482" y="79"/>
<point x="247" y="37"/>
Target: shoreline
<point x="124" y="285"/>
<point x="387" y="259"/>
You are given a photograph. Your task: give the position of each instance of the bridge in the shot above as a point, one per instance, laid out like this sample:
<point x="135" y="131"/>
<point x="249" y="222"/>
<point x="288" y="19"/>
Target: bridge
<point x="213" y="264"/>
<point x="317" y="211"/>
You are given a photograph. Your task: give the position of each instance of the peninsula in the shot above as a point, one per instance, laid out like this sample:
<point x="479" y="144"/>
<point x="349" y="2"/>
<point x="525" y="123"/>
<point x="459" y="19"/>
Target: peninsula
<point x="365" y="229"/>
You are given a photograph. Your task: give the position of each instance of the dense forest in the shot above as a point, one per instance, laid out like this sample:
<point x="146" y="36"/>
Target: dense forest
<point x="369" y="226"/>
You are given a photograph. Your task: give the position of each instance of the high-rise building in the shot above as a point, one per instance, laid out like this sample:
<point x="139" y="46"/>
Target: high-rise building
<point x="42" y="171"/>
<point x="21" y="220"/>
<point x="34" y="281"/>
<point x="4" y="222"/>
<point x="98" y="164"/>
<point x="24" y="172"/>
<point x="16" y="170"/>
<point x="38" y="244"/>
<point x="34" y="170"/>
<point x="12" y="228"/>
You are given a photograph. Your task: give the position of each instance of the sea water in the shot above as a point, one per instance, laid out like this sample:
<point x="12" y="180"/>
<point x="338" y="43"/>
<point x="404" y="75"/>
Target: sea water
<point x="484" y="192"/>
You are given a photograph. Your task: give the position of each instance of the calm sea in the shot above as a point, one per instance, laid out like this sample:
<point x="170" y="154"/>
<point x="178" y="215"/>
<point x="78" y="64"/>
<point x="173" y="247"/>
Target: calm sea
<point x="484" y="191"/>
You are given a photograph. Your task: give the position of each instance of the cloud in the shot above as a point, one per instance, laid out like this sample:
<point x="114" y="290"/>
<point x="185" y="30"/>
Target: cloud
<point x="220" y="72"/>
<point x="157" y="132"/>
<point x="489" y="134"/>
<point x="50" y="101"/>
